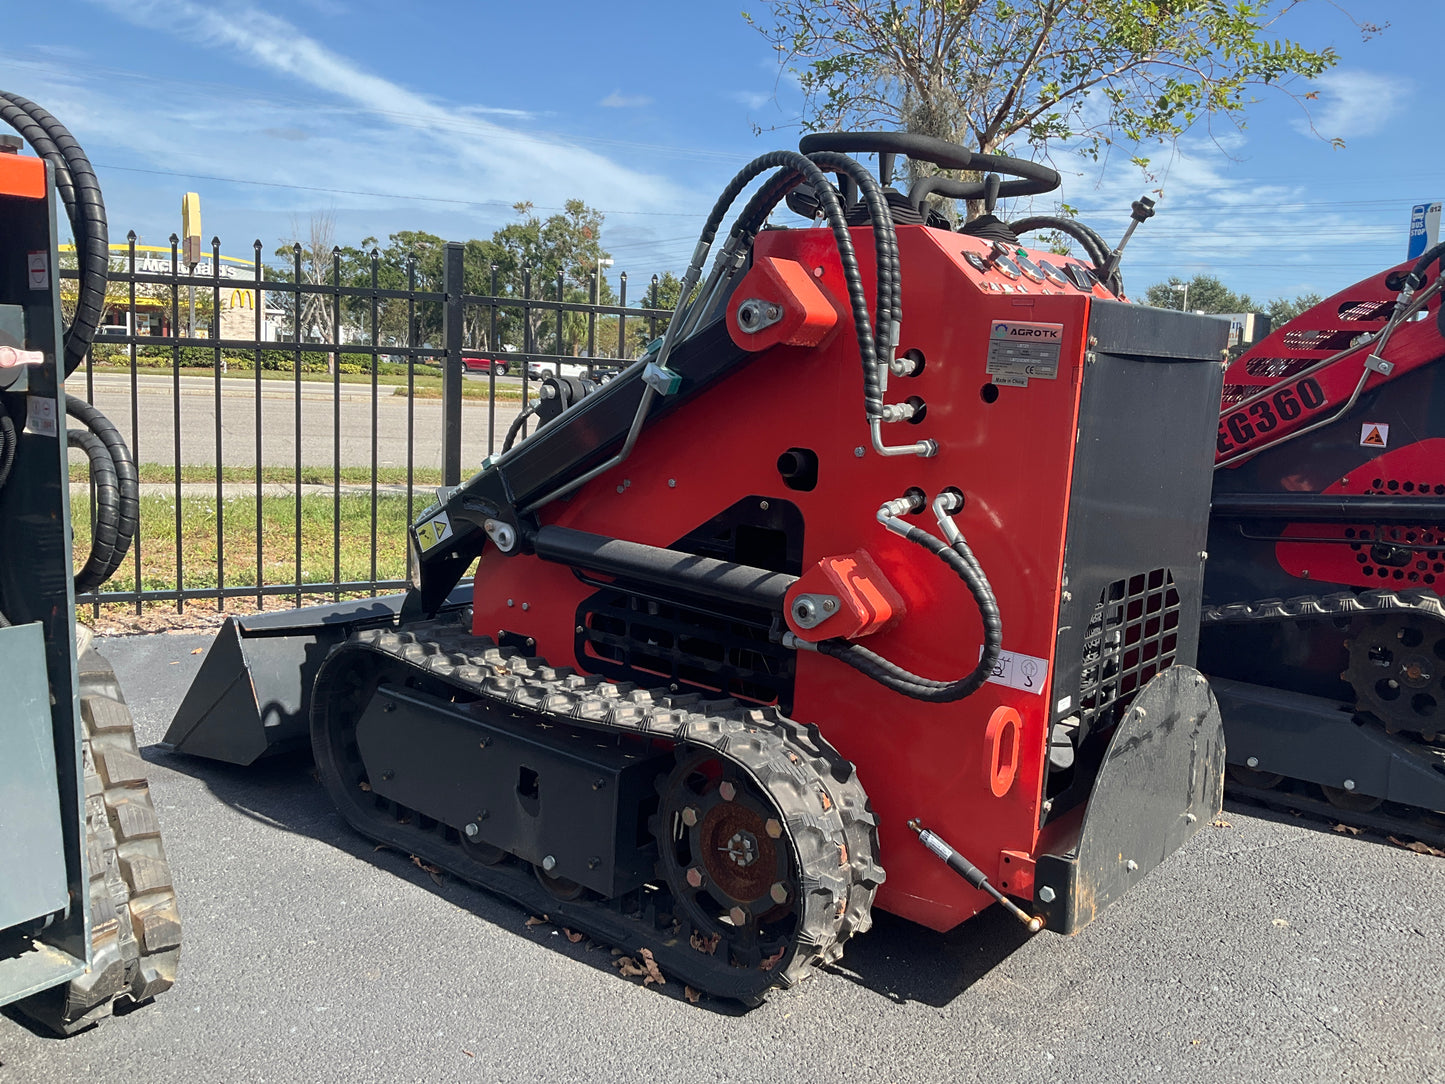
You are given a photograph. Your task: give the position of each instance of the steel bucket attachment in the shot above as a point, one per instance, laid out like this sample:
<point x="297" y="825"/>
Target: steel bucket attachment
<point x="1161" y="781"/>
<point x="252" y="696"/>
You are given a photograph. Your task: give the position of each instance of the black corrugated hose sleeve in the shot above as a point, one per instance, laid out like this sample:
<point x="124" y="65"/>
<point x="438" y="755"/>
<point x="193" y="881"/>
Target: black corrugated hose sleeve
<point x="127" y="482"/>
<point x="516" y="427"/>
<point x="893" y="676"/>
<point x="79" y="190"/>
<point x="8" y="443"/>
<point x="1416" y="277"/>
<point x="98" y="565"/>
<point x="885" y="238"/>
<point x="1094" y="245"/>
<point x="833" y="210"/>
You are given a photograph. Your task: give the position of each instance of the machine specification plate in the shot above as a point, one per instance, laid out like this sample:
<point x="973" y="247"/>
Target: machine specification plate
<point x="1018" y="350"/>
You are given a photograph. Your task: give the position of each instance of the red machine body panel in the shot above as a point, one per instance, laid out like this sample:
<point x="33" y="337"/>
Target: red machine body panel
<point x="1274" y="391"/>
<point x="1010" y="449"/>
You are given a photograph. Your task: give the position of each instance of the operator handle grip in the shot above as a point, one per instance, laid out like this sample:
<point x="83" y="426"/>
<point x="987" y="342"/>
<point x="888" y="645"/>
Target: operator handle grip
<point x="1033" y="178"/>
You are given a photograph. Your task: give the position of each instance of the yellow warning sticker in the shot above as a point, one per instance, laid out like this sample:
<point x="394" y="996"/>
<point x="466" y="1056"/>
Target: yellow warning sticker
<point x="1375" y="435"/>
<point x="433" y="532"/>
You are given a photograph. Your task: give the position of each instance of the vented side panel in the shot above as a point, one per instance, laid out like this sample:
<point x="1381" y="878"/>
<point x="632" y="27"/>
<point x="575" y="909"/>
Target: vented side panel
<point x="1133" y="634"/>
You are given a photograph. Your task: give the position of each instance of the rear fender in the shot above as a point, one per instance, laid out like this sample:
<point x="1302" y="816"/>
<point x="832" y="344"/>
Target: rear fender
<point x="1161" y="781"/>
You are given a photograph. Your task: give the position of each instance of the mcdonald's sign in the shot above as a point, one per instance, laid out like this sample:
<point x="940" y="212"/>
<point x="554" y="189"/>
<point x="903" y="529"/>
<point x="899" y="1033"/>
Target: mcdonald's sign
<point x="242" y="299"/>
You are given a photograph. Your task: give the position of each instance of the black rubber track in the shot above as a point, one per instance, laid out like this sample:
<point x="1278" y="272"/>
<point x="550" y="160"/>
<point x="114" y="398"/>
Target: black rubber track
<point x="816" y="793"/>
<point x="135" y="923"/>
<point x="1300" y="795"/>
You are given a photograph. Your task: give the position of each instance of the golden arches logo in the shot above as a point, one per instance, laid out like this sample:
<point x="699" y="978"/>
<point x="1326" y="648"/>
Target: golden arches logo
<point x="242" y="299"/>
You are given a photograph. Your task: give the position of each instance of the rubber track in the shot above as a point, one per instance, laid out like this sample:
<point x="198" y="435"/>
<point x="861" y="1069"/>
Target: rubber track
<point x="1345" y="603"/>
<point x="823" y="807"/>
<point x="1421" y="603"/>
<point x="135" y="923"/>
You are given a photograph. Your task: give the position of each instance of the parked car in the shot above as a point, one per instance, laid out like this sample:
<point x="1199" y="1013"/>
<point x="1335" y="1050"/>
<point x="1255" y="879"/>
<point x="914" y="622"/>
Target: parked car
<point x="537" y="371"/>
<point x="475" y="363"/>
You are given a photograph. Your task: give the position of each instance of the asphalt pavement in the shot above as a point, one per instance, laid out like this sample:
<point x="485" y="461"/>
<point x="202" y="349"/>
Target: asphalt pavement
<point x="1270" y="949"/>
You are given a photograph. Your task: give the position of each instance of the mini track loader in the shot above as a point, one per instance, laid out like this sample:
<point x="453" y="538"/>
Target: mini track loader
<point x="875" y="584"/>
<point x="1324" y="632"/>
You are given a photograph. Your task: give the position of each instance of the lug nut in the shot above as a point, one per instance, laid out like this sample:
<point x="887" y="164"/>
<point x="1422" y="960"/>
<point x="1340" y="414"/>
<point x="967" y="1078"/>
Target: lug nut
<point x="1046" y="894"/>
<point x="774" y="829"/>
<point x="738" y="915"/>
<point x="689" y="816"/>
<point x="694" y="877"/>
<point x="727" y="791"/>
<point x="779" y="893"/>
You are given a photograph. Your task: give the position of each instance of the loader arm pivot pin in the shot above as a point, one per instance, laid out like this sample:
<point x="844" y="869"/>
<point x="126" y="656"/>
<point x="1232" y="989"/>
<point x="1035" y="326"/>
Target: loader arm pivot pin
<point x="972" y="874"/>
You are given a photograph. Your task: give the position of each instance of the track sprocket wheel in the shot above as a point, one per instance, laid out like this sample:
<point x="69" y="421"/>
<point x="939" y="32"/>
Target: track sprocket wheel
<point x="727" y="860"/>
<point x="1397" y="669"/>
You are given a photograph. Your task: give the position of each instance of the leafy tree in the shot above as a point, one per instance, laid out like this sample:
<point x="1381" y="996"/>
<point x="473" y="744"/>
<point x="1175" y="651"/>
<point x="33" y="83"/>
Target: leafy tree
<point x="1206" y="294"/>
<point x="553" y="259"/>
<point x="1282" y="309"/>
<point x="1001" y="74"/>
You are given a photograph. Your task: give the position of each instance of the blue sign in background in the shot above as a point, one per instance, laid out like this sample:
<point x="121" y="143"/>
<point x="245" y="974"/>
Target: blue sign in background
<point x="1424" y="228"/>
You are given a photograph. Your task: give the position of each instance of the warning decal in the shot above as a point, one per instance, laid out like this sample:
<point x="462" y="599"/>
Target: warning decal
<point x="1019" y="350"/>
<point x="434" y="532"/>
<point x="1025" y="672"/>
<point x="1375" y="435"/>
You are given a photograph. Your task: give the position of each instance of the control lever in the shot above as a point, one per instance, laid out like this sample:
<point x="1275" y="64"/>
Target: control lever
<point x="1142" y="211"/>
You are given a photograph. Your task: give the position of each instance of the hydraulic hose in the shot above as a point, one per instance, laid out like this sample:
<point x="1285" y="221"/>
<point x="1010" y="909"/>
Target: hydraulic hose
<point x="893" y="676"/>
<point x="1094" y="245"/>
<point x="112" y="467"/>
<point x="516" y="427"/>
<point x="112" y="470"/>
<point x="107" y="514"/>
<point x="80" y="193"/>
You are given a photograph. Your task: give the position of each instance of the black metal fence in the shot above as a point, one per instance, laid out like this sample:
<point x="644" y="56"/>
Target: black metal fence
<point x="289" y="421"/>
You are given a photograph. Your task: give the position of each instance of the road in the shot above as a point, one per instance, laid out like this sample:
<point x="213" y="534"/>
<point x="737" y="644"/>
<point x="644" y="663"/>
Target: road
<point x="1268" y="950"/>
<point x="321" y="414"/>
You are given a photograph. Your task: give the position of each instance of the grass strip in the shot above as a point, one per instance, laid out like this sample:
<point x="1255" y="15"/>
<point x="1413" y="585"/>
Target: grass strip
<point x="207" y="528"/>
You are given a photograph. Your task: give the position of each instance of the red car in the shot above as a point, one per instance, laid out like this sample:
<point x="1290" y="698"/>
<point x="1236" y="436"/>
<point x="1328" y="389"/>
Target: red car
<point x="476" y="363"/>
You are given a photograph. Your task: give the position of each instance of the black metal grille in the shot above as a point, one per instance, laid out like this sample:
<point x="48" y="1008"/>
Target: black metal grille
<point x="628" y="636"/>
<point x="263" y="396"/>
<point x="1133" y="634"/>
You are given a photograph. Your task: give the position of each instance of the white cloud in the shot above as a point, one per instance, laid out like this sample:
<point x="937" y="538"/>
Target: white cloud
<point x="401" y="131"/>
<point x="1353" y="103"/>
<point x="1215" y="217"/>
<point x="618" y="100"/>
<point x="753" y="99"/>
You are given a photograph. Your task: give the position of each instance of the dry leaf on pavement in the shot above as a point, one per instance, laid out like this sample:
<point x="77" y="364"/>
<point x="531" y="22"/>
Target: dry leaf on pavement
<point x="1347" y="829"/>
<point x="707" y="944"/>
<point x="572" y="936"/>
<point x="1418" y="847"/>
<point x="653" y="974"/>
<point x="533" y="920"/>
<point x="691" y="994"/>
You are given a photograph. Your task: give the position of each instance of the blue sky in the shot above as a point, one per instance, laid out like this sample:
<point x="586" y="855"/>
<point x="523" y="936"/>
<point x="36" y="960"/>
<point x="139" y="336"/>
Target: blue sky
<point x="439" y="115"/>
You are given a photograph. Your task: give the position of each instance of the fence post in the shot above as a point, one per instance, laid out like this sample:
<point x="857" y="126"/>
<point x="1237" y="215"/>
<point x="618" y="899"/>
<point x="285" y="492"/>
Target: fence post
<point x="452" y="372"/>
